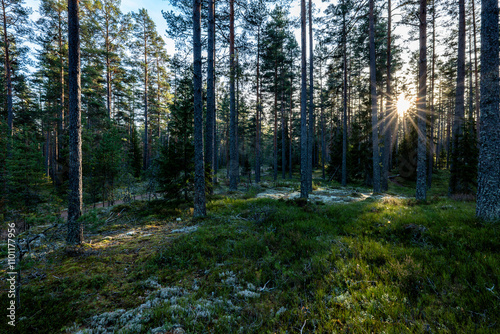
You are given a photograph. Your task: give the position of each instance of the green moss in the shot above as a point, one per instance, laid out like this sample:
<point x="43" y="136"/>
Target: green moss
<point x="390" y="265"/>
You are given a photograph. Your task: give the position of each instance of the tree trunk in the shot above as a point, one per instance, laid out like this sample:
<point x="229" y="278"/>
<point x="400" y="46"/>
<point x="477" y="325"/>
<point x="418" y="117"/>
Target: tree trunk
<point x="108" y="72"/>
<point x="60" y="119"/>
<point x="421" y="189"/>
<point x="8" y="76"/>
<point x="290" y="130"/>
<point x="476" y="76"/>
<point x="275" y="134"/>
<point x="303" y="106"/>
<point x="283" y="136"/>
<point x="310" y="135"/>
<point x="455" y="183"/>
<point x="199" y="173"/>
<point x="146" y="138"/>
<point x="373" y="95"/>
<point x="389" y="112"/>
<point x="431" y="135"/>
<point x="210" y="121"/>
<point x="322" y="119"/>
<point x="233" y="158"/>
<point x="488" y="192"/>
<point x="75" y="228"/>
<point x="344" y="100"/>
<point x="257" y="117"/>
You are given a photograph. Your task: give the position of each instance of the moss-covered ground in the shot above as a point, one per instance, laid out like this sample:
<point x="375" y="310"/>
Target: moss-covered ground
<point x="269" y="266"/>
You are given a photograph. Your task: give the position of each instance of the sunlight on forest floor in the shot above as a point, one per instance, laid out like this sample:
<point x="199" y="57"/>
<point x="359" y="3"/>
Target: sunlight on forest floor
<point x="324" y="195"/>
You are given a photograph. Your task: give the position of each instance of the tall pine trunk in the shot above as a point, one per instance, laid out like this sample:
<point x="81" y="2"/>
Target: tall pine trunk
<point x="310" y="136"/>
<point x="456" y="185"/>
<point x="199" y="169"/>
<point x="8" y="76"/>
<point x="257" y="111"/>
<point x="303" y="106"/>
<point x="432" y="113"/>
<point x="344" y="100"/>
<point x="210" y="121"/>
<point x="75" y="228"/>
<point x="421" y="188"/>
<point x="488" y="192"/>
<point x="233" y="157"/>
<point x="373" y="95"/>
<point x="389" y="112"/>
<point x="145" y="161"/>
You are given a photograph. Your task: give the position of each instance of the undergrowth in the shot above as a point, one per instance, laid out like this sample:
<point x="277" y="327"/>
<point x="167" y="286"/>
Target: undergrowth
<point x="275" y="266"/>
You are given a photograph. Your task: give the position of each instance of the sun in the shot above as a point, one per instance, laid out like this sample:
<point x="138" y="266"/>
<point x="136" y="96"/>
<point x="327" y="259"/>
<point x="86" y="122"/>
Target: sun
<point x="402" y="105"/>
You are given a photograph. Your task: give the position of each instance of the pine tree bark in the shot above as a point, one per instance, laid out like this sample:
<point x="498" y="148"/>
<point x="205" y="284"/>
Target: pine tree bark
<point x="344" y="99"/>
<point x="210" y="121"/>
<point x="8" y="74"/>
<point x="75" y="228"/>
<point x="389" y="112"/>
<point x="430" y="160"/>
<point x="310" y="135"/>
<point x="476" y="69"/>
<point x="199" y="172"/>
<point x="488" y="192"/>
<point x="455" y="185"/>
<point x="373" y="95"/>
<point x="421" y="189"/>
<point x="257" y="111"/>
<point x="233" y="158"/>
<point x="146" y="134"/>
<point x="303" y="106"/>
<point x="108" y="71"/>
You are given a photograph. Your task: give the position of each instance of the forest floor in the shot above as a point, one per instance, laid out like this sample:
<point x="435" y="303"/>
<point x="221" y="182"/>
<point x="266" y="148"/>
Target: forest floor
<point x="264" y="261"/>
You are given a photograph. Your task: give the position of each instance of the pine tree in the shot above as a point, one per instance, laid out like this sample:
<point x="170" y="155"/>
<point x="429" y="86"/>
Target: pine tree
<point x="421" y="190"/>
<point x="488" y="193"/>
<point x="144" y="32"/>
<point x="75" y="227"/>
<point x="199" y="168"/>
<point x="373" y="97"/>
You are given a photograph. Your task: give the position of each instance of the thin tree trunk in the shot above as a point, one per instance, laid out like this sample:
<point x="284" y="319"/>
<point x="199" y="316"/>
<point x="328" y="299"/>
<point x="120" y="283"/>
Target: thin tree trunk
<point x="108" y="71"/>
<point x="389" y="112"/>
<point x="275" y="132"/>
<point x="421" y="189"/>
<point x="344" y="100"/>
<point x="60" y="119"/>
<point x="310" y="141"/>
<point x="455" y="183"/>
<point x="373" y="94"/>
<point x="75" y="228"/>
<point x="290" y="129"/>
<point x="488" y="192"/>
<point x="257" y="118"/>
<point x="199" y="173"/>
<point x="210" y="121"/>
<point x="476" y="70"/>
<point x="430" y="161"/>
<point x="322" y="117"/>
<point x="233" y="158"/>
<point x="146" y="139"/>
<point x="283" y="139"/>
<point x="303" y="106"/>
<point x="8" y="77"/>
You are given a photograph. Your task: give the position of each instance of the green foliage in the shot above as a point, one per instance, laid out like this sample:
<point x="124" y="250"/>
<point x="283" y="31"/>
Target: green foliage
<point x="176" y="162"/>
<point x="407" y="155"/>
<point x="463" y="174"/>
<point x="134" y="153"/>
<point x="104" y="164"/>
<point x="24" y="172"/>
